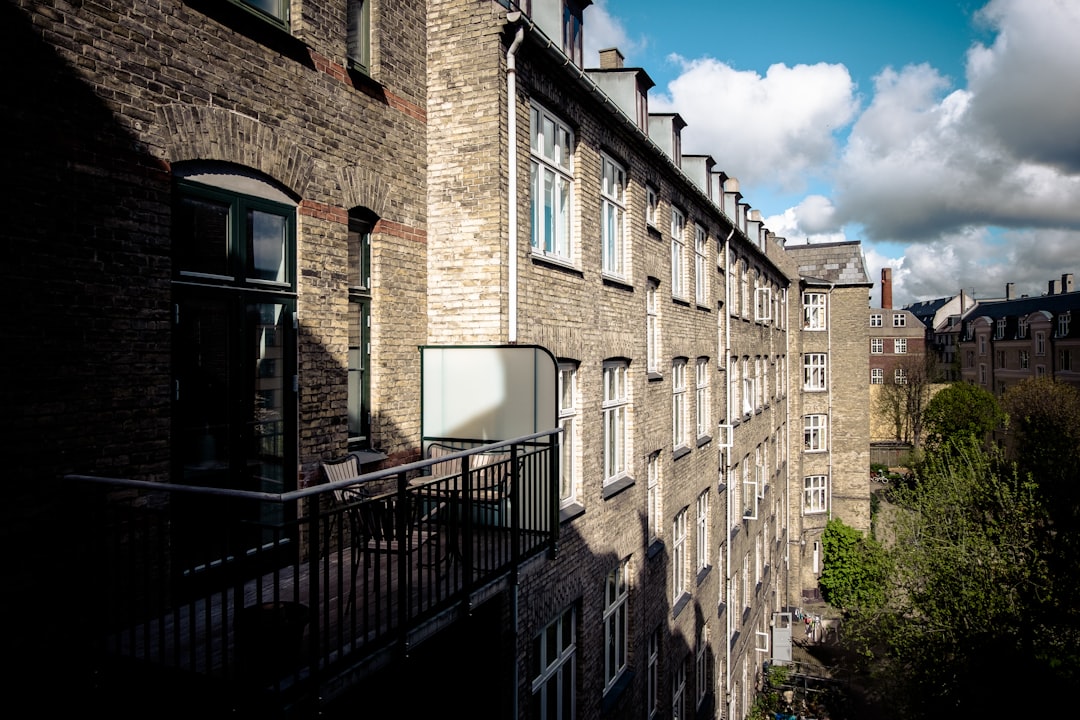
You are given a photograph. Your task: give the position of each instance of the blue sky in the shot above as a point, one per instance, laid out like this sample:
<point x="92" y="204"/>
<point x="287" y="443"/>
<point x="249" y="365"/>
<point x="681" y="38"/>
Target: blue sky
<point x="943" y="134"/>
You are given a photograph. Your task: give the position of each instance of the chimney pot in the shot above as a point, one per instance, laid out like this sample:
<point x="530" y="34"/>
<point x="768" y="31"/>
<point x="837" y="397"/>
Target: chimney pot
<point x="611" y="59"/>
<point x="1010" y="291"/>
<point x="1067" y="283"/>
<point x="886" y="288"/>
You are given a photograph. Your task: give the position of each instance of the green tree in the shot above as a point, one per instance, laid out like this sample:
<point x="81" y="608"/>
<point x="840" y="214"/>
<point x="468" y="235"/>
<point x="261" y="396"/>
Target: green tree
<point x="960" y="411"/>
<point x="1044" y="422"/>
<point x="855" y="568"/>
<point x="902" y="399"/>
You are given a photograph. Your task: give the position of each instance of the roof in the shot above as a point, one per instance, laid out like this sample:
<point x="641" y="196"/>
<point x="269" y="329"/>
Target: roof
<point x="839" y="263"/>
<point x="995" y="309"/>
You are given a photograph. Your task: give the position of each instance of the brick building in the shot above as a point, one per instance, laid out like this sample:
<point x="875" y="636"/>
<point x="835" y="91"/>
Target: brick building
<point x="237" y="222"/>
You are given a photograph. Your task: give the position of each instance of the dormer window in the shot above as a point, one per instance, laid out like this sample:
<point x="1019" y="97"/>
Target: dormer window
<point x="1064" y="319"/>
<point x="572" y="33"/>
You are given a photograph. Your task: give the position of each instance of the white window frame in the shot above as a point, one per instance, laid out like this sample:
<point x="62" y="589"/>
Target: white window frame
<point x="899" y="320"/>
<point x="701" y="664"/>
<point x="701" y="266"/>
<point x="678" y="692"/>
<point x="616" y="419"/>
<point x="652" y="314"/>
<point x="815" y="378"/>
<point x="815" y="494"/>
<point x="653" y="676"/>
<point x="678" y="403"/>
<point x="763" y="304"/>
<point x="875" y="320"/>
<point x="702" y="539"/>
<point x="655" y="496"/>
<point x="877" y="346"/>
<point x="1021" y="328"/>
<point x="1064" y="319"/>
<point x="750" y="491"/>
<point x="900" y="346"/>
<point x="678" y="555"/>
<point x="703" y="405"/>
<point x="616" y="623"/>
<point x="569" y="481"/>
<point x="563" y="659"/>
<point x="900" y="376"/>
<point x="1040" y="343"/>
<point x="678" y="254"/>
<point x="814" y="311"/>
<point x="877" y="376"/>
<point x="652" y="205"/>
<point x="815" y="429"/>
<point x="613" y="217"/>
<point x="552" y="162"/>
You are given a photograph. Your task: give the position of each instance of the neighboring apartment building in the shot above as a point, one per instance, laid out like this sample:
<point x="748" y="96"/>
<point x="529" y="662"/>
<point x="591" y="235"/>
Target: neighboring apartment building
<point x="896" y="336"/>
<point x="247" y="217"/>
<point x="941" y="319"/>
<point x="831" y="457"/>
<point x="1006" y="341"/>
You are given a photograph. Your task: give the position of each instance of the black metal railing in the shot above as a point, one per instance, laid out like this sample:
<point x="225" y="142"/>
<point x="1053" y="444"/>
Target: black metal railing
<point x="277" y="595"/>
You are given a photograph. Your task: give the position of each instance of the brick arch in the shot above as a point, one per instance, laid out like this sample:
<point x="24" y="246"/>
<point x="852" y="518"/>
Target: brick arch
<point x="362" y="187"/>
<point x="211" y="133"/>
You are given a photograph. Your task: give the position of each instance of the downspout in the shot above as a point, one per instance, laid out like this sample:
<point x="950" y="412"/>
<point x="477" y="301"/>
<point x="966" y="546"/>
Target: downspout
<point x="511" y="159"/>
<point x="727" y="462"/>
<point x="829" y="383"/>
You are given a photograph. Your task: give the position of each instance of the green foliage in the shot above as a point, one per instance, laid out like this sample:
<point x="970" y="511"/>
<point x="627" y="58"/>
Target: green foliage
<point x="1044" y="414"/>
<point x="960" y="411"/>
<point x="855" y="568"/>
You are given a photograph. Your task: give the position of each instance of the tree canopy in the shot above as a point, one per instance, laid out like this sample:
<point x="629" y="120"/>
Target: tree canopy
<point x="960" y="411"/>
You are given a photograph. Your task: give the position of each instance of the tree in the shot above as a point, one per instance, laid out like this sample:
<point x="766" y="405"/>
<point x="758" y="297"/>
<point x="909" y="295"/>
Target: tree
<point x="903" y="397"/>
<point x="960" y="411"/>
<point x="855" y="568"/>
<point x="967" y="565"/>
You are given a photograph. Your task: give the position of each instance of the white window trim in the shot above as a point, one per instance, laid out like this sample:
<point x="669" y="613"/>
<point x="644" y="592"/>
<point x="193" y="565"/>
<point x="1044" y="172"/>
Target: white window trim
<point x="616" y="623"/>
<point x="678" y="254"/>
<point x="566" y="657"/>
<point x="702" y="531"/>
<point x="678" y="404"/>
<point x="561" y="168"/>
<point x="616" y="410"/>
<point x="815" y="494"/>
<point x="701" y="265"/>
<point x="815" y="378"/>
<point x="569" y="421"/>
<point x="703" y="404"/>
<point x="678" y="555"/>
<point x="613" y="213"/>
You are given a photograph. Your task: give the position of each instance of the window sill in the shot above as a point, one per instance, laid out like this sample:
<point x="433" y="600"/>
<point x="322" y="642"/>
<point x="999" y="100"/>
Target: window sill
<point x="704" y="440"/>
<point x="680" y="301"/>
<point x="616" y="486"/>
<point x="704" y="308"/>
<point x="617" y="689"/>
<point x="570" y="511"/>
<point x="616" y="282"/>
<point x="721" y="608"/>
<point x="681" y="451"/>
<point x="703" y="573"/>
<point x="653" y="376"/>
<point x="682" y="601"/>
<point x="262" y="28"/>
<point x="555" y="263"/>
<point x="655" y="548"/>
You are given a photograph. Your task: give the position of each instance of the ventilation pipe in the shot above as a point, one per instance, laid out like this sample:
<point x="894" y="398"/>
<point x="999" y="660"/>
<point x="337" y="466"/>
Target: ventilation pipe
<point x="511" y="160"/>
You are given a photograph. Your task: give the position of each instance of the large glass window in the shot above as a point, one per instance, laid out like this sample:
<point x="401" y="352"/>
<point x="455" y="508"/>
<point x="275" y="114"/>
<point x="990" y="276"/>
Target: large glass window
<point x="703" y="405"/>
<point x="616" y="420"/>
<point x="554" y="665"/>
<point x="551" y="179"/>
<point x="359" y="330"/>
<point x="814" y="371"/>
<point x="814" y="437"/>
<point x="814" y="311"/>
<point x="678" y="555"/>
<point x="652" y="331"/>
<point x="702" y="538"/>
<point x="678" y="403"/>
<point x="701" y="274"/>
<point x="616" y="600"/>
<point x="877" y="346"/>
<point x="655" y="497"/>
<point x="568" y="421"/>
<point x="613" y="216"/>
<point x="814" y="494"/>
<point x="900" y="346"/>
<point x="359" y="35"/>
<point x="678" y="254"/>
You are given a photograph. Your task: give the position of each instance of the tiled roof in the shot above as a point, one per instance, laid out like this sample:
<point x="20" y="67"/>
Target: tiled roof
<point x="836" y="263"/>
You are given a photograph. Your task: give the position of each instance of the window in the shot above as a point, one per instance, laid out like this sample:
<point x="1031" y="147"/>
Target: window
<point x="813" y="311"/>
<point x="1001" y="359"/>
<point x="613" y="216"/>
<point x="359" y="366"/>
<point x="900" y="346"/>
<point x="652" y="205"/>
<point x="877" y="346"/>
<point x="568" y="421"/>
<point x="551" y="179"/>
<point x="749" y="391"/>
<point x="814" y="427"/>
<point x="652" y="339"/>
<point x="982" y="344"/>
<point x="749" y="491"/>
<point x="616" y="405"/>
<point x="1040" y="343"/>
<point x="678" y="254"/>
<point x="875" y="320"/>
<point x="276" y="9"/>
<point x="763" y="304"/>
<point x="678" y="403"/>
<point x="877" y="376"/>
<point x="701" y="273"/>
<point x="678" y="556"/>
<point x="359" y="35"/>
<point x="554" y="667"/>
<point x="982" y="374"/>
<point x="701" y="666"/>
<point x="814" y="371"/>
<point x="702" y="404"/>
<point x="1064" y="359"/>
<point x="572" y="35"/>
<point x="1025" y="359"/>
<point x="655" y="497"/>
<point x="899" y="320"/>
<point x="900" y="376"/>
<point x="234" y="337"/>
<point x="1022" y="328"/>
<point x="814" y="494"/>
<point x="653" y="680"/>
<point x="1063" y="321"/>
<point x="616" y="595"/>
<point x="703" y="531"/>
<point x="678" y="692"/>
<point x="999" y="329"/>
<point x="746" y="292"/>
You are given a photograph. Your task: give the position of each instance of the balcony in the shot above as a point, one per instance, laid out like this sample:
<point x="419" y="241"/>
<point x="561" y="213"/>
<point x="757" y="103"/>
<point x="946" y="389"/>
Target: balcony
<point x="284" y="601"/>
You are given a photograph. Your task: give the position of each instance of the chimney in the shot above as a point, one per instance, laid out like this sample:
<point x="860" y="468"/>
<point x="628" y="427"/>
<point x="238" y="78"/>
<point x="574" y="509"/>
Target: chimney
<point x="1053" y="287"/>
<point x="1010" y="291"/>
<point x="611" y="59"/>
<point x="1067" y="283"/>
<point x="886" y="288"/>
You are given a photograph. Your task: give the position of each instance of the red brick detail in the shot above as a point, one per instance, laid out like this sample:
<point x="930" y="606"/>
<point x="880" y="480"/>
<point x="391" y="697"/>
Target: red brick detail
<point x="325" y="65"/>
<point x="322" y="211"/>
<point x="389" y="227"/>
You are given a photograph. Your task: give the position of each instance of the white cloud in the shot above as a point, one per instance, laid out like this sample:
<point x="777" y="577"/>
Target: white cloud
<point x="606" y="31"/>
<point x="777" y="129"/>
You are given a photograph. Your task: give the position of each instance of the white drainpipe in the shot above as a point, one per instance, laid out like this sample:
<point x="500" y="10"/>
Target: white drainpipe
<point x="511" y="159"/>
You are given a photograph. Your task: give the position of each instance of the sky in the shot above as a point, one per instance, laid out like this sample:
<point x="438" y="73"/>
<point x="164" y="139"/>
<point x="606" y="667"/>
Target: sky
<point x="942" y="134"/>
